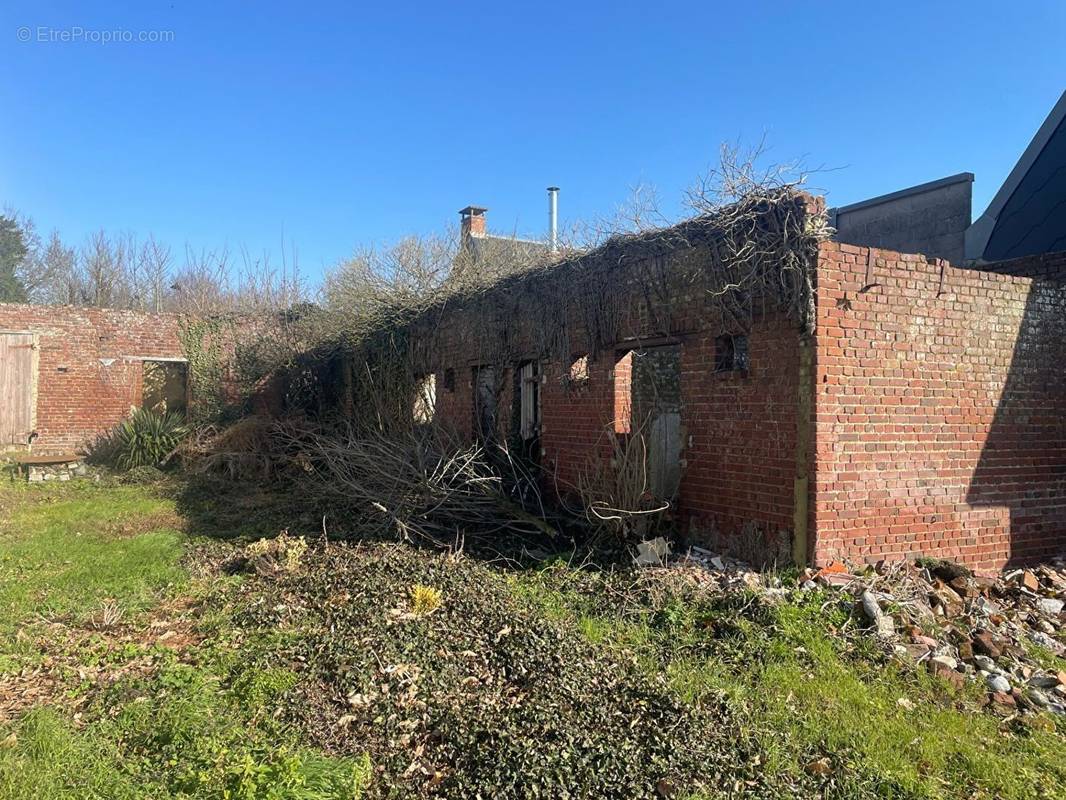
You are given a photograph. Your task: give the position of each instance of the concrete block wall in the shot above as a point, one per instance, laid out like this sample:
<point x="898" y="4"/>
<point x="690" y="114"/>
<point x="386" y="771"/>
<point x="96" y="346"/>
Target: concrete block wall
<point x="931" y="218"/>
<point x="940" y="410"/>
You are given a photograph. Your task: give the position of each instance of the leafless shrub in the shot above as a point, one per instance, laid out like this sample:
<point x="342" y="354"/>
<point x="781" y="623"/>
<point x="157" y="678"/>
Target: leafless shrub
<point x="403" y="274"/>
<point x="742" y="172"/>
<point x="613" y="491"/>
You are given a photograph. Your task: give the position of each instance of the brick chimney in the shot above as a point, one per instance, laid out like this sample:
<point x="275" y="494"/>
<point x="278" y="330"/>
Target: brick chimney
<point x="472" y="221"/>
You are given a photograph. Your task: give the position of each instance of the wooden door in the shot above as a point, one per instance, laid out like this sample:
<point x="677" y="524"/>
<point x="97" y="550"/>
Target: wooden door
<point x="486" y="395"/>
<point x="656" y="404"/>
<point x="16" y="388"/>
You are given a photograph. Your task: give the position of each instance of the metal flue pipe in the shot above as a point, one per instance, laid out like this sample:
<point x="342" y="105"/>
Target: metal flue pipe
<point x="553" y="217"/>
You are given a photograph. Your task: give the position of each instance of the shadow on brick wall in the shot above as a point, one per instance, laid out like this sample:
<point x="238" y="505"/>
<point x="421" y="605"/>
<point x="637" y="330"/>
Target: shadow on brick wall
<point x="1023" y="462"/>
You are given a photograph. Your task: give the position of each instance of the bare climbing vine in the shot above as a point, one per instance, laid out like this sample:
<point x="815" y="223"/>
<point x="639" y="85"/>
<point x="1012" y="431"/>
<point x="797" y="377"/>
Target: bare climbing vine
<point x="392" y="316"/>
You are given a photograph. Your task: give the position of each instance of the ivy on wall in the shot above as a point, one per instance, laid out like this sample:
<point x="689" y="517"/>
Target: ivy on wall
<point x="202" y="342"/>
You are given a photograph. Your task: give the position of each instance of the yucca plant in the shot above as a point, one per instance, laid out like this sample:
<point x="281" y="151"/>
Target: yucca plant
<point x="147" y="437"/>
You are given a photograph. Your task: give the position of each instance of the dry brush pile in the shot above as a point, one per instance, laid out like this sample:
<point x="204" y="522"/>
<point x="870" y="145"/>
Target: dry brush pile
<point x="418" y="484"/>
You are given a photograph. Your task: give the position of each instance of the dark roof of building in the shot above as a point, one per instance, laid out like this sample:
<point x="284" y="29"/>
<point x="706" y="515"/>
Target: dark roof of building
<point x="505" y="249"/>
<point x="1028" y="214"/>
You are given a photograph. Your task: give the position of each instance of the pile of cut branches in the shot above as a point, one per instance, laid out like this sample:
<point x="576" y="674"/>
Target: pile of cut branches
<point x="420" y="484"/>
<point x="254" y="448"/>
<point x="615" y="492"/>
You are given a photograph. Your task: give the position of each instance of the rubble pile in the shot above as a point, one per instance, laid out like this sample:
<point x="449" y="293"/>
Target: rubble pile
<point x="1003" y="632"/>
<point x="704" y="568"/>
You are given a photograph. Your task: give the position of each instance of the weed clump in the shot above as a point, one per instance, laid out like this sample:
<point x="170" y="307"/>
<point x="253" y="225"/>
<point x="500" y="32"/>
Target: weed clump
<point x="283" y="552"/>
<point x="424" y="599"/>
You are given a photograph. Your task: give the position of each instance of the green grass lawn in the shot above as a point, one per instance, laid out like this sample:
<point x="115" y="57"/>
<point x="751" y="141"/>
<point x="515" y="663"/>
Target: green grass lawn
<point x="65" y="551"/>
<point x="190" y="724"/>
<point x="816" y="698"/>
<point x="548" y="682"/>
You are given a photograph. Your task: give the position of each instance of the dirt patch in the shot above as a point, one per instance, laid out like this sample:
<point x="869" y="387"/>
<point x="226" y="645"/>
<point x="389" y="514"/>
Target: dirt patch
<point x="136" y="525"/>
<point x="65" y="665"/>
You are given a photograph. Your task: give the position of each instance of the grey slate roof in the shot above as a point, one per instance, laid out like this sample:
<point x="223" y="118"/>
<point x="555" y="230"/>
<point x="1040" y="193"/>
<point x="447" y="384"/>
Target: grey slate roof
<point x="1028" y="214"/>
<point x="505" y="250"/>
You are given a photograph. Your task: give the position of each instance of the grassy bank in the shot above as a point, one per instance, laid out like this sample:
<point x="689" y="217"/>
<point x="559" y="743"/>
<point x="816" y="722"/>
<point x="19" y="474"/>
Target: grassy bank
<point x="116" y="679"/>
<point x="140" y="658"/>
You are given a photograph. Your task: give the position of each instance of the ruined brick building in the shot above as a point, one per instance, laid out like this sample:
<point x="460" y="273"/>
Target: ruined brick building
<point x="68" y="374"/>
<point x="797" y="396"/>
<point x="897" y="405"/>
<point x="915" y="407"/>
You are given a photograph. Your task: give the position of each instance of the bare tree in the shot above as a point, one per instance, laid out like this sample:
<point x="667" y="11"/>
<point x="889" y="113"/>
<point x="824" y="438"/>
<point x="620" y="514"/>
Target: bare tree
<point x="101" y="264"/>
<point x="153" y="270"/>
<point x="202" y="284"/>
<point x="261" y="285"/>
<point x="56" y="274"/>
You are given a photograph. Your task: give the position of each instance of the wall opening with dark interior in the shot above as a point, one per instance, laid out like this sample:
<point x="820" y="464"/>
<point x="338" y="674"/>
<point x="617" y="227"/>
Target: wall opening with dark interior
<point x="528" y="394"/>
<point x="165" y="386"/>
<point x="731" y="353"/>
<point x="486" y="400"/>
<point x="526" y="409"/>
<point x="425" y="404"/>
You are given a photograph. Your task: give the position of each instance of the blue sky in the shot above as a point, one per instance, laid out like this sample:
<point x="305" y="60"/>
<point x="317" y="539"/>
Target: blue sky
<point x="333" y="125"/>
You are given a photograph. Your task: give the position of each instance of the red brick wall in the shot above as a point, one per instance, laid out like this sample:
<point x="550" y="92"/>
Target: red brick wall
<point x="577" y="421"/>
<point x="940" y="410"/>
<point x="1049" y="265"/>
<point x="738" y="429"/>
<point x="90" y="367"/>
<point x="622" y="376"/>
<point x="741" y="432"/>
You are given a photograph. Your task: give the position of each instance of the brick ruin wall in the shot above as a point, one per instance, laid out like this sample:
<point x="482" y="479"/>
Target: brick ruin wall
<point x="89" y="366"/>
<point x="939" y="405"/>
<point x="940" y="409"/>
<point x="738" y="428"/>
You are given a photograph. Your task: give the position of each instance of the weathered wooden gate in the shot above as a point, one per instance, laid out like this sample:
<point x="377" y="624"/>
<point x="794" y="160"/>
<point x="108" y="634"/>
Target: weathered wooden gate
<point x="18" y="371"/>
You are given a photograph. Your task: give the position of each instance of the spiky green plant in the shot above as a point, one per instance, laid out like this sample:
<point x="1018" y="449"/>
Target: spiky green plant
<point x="147" y="437"/>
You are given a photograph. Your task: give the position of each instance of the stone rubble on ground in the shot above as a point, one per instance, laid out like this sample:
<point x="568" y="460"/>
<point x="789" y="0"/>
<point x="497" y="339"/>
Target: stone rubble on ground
<point x="717" y="571"/>
<point x="38" y="473"/>
<point x="968" y="627"/>
<point x="960" y="626"/>
<point x="652" y="552"/>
